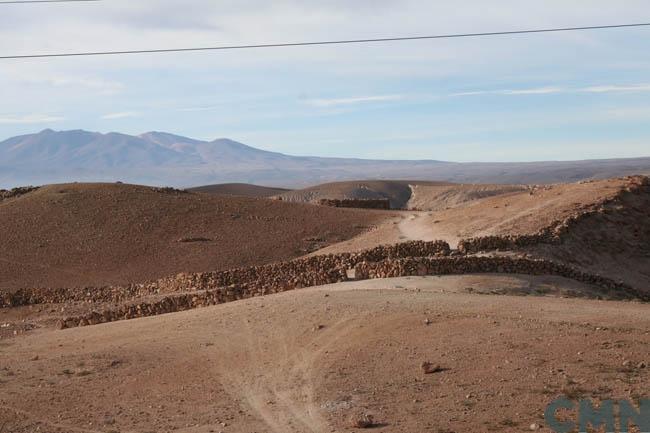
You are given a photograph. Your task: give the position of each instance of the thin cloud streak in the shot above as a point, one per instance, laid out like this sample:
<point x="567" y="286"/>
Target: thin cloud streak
<point x="120" y="115"/>
<point x="531" y="91"/>
<point x="633" y="88"/>
<point x="30" y="119"/>
<point x="335" y="102"/>
<point x="606" y="89"/>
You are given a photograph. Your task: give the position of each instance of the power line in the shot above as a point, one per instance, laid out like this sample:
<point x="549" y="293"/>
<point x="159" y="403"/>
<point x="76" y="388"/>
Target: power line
<point x="18" y="2"/>
<point x="303" y="44"/>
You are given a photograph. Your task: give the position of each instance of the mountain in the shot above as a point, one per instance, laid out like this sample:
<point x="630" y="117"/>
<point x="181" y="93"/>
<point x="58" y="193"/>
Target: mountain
<point x="87" y="149"/>
<point x="166" y="159"/>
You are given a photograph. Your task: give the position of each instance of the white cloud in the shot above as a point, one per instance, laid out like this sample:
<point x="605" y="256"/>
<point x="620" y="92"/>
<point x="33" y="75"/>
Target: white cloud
<point x="198" y="109"/>
<point x="531" y="91"/>
<point x="614" y="88"/>
<point x="632" y="88"/>
<point x="335" y="102"/>
<point x="120" y="115"/>
<point x="107" y="87"/>
<point x="537" y="91"/>
<point x="61" y="79"/>
<point x="29" y="119"/>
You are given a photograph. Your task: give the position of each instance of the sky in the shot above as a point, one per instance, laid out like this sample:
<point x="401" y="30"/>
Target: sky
<point x="559" y="96"/>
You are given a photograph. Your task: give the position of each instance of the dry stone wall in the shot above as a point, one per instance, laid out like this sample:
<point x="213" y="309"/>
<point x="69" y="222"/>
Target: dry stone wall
<point x="15" y="192"/>
<point x="481" y="264"/>
<point x="387" y="268"/>
<point x="383" y="203"/>
<point x="554" y="233"/>
<point x="310" y="271"/>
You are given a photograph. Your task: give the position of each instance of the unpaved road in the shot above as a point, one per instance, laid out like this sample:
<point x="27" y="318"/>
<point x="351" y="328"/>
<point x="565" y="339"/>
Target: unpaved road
<point x="514" y="212"/>
<point x="308" y="360"/>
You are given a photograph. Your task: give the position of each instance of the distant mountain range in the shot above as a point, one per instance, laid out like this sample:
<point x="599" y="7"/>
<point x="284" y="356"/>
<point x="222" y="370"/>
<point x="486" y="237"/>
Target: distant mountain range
<point x="159" y="158"/>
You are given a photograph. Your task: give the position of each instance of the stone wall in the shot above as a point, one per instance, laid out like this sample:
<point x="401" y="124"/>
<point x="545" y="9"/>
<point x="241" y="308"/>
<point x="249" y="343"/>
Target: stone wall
<point x="387" y="268"/>
<point x="382" y="203"/>
<point x="15" y="192"/>
<point x="480" y="264"/>
<point x="554" y="233"/>
<point x="310" y="271"/>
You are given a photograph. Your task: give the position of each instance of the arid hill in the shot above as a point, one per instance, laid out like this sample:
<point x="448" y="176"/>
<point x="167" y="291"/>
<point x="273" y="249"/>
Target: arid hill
<point x="428" y="351"/>
<point x="397" y="191"/>
<point x="613" y="241"/>
<point x="97" y="234"/>
<point x="403" y="194"/>
<point x="441" y="197"/>
<point x="240" y="189"/>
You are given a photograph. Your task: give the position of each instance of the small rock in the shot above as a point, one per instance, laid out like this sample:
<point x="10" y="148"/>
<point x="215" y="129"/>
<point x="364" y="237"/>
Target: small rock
<point x="363" y="421"/>
<point x="641" y="365"/>
<point x="427" y="321"/>
<point x="429" y="368"/>
<point x="534" y="426"/>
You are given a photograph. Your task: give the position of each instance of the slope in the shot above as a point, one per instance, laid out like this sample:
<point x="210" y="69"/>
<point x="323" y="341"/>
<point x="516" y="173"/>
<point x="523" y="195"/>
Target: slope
<point x="96" y="234"/>
<point x="397" y="191"/>
<point x="239" y="189"/>
<point x="316" y="360"/>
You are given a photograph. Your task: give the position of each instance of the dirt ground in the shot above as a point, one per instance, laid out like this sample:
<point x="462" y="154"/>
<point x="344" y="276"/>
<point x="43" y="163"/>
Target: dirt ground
<point x="239" y="189"/>
<point x="510" y="212"/>
<point x="99" y="234"/>
<point x="313" y="359"/>
<point x="500" y="347"/>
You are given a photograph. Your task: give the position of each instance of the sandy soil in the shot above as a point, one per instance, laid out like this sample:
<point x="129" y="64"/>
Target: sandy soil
<point x="309" y="360"/>
<point x="314" y="360"/>
<point x="97" y="234"/>
<point x="518" y="212"/>
<point x="441" y="197"/>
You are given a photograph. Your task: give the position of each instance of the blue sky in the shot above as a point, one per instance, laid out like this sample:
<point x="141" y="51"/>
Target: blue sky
<point x="511" y="98"/>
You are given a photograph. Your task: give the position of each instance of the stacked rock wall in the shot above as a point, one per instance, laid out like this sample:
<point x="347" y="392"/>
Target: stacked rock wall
<point x="479" y="264"/>
<point x="310" y="271"/>
<point x="383" y="203"/>
<point x="388" y="268"/>
<point x="554" y="233"/>
<point x="15" y="192"/>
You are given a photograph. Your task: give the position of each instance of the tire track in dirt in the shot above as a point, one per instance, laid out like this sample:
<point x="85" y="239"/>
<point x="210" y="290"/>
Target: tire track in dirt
<point x="281" y="394"/>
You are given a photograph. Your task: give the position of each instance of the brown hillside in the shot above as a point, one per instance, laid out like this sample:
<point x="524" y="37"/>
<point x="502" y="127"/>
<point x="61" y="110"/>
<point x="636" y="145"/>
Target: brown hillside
<point x="613" y="243"/>
<point x="97" y="234"/>
<point x="239" y="189"/>
<point x="519" y="212"/>
<point x="441" y="197"/>
<point x="397" y="191"/>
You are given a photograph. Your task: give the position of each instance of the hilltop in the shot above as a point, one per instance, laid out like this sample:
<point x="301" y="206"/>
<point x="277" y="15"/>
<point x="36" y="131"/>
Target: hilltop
<point x="239" y="189"/>
<point x="95" y="234"/>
